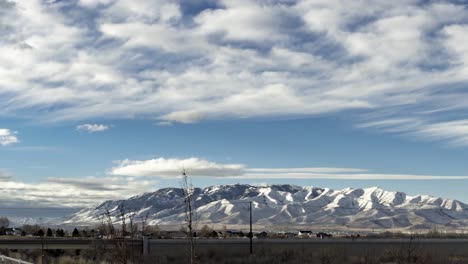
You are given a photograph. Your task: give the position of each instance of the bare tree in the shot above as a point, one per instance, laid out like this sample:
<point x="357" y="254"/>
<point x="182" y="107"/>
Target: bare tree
<point x="189" y="209"/>
<point x="106" y="224"/>
<point x="120" y="242"/>
<point x="119" y="254"/>
<point x="123" y="213"/>
<point x="133" y="230"/>
<point x="144" y="224"/>
<point x="132" y="225"/>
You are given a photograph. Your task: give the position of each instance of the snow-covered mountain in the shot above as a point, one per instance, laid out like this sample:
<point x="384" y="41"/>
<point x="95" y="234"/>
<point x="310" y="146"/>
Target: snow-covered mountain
<point x="32" y="216"/>
<point x="17" y="221"/>
<point x="289" y="205"/>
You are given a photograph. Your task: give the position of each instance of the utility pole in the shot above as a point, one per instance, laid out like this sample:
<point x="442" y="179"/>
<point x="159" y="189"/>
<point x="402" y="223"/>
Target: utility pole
<point x="42" y="250"/>
<point x="251" y="234"/>
<point x="42" y="245"/>
<point x="250" y="222"/>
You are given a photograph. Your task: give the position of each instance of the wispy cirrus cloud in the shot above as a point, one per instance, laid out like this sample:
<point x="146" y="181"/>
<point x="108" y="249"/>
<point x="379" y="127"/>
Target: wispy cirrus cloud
<point x="454" y="132"/>
<point x="185" y="62"/>
<point x="172" y="167"/>
<point x="347" y="176"/>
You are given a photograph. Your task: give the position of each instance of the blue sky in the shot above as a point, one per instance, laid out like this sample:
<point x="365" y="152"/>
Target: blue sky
<point x="107" y="99"/>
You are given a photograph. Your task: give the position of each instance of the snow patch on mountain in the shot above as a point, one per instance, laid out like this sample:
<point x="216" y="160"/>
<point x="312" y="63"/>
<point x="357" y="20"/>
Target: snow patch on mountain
<point x="287" y="204"/>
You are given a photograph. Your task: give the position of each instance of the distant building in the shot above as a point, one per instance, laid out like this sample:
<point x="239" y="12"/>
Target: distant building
<point x="235" y="233"/>
<point x="323" y="235"/>
<point x="13" y="231"/>
<point x="172" y="234"/>
<point x="262" y="235"/>
<point x="305" y="233"/>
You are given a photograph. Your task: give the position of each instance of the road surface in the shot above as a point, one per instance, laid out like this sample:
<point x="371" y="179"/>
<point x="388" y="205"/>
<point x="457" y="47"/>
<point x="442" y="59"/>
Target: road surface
<point x="89" y="243"/>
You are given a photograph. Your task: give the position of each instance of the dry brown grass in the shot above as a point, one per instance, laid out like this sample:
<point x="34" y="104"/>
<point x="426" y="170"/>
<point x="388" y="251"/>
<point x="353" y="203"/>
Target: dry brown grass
<point x="218" y="254"/>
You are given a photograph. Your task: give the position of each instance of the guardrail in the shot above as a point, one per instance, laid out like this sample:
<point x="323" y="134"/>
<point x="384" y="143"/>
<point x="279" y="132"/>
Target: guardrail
<point x="5" y="259"/>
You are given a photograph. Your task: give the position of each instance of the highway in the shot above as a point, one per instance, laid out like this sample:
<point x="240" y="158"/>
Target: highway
<point x="60" y="243"/>
<point x="176" y="248"/>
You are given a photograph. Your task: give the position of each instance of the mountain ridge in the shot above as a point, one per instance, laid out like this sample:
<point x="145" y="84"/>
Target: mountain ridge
<point x="289" y="204"/>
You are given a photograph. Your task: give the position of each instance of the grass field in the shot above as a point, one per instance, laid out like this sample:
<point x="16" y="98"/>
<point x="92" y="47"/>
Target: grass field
<point x="329" y="252"/>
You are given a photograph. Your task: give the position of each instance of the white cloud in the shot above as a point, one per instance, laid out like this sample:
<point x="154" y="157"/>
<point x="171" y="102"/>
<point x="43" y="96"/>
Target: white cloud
<point x="351" y="176"/>
<point x="242" y="20"/>
<point x="149" y="11"/>
<point x="457" y="34"/>
<point x="235" y="59"/>
<point x="8" y="137"/>
<point x="93" y="3"/>
<point x="163" y="167"/>
<point x="304" y="170"/>
<point x="454" y="132"/>
<point x="185" y="117"/>
<point x="70" y="192"/>
<point x="91" y="128"/>
<point x="170" y="168"/>
<point x="90" y="191"/>
<point x="142" y="35"/>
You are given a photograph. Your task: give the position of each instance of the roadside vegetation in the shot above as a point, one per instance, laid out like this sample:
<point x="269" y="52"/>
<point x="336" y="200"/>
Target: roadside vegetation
<point x="219" y="255"/>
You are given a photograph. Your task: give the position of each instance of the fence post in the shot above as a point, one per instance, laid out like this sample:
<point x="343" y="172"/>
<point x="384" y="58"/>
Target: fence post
<point x="145" y="246"/>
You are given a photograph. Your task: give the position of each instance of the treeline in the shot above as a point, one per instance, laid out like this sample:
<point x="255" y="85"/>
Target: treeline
<point x="38" y="231"/>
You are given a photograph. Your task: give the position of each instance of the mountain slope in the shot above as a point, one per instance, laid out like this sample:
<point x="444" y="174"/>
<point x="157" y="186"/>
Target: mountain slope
<point x="289" y="204"/>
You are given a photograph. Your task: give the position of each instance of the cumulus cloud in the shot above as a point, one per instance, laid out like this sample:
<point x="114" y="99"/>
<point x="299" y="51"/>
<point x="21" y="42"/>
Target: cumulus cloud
<point x="164" y="168"/>
<point x="91" y="128"/>
<point x="8" y="137"/>
<point x="185" y="62"/>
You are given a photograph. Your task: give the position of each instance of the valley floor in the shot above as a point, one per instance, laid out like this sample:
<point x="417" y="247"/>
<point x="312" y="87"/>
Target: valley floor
<point x="268" y="251"/>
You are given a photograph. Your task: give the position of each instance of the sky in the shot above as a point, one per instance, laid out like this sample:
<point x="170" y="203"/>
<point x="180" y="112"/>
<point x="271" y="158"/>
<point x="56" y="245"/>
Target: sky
<point x="106" y="99"/>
